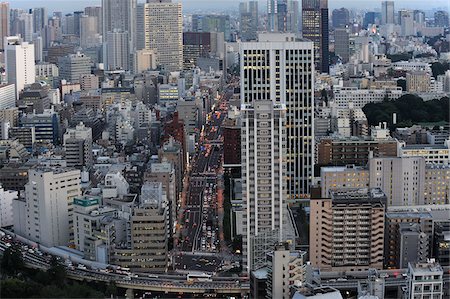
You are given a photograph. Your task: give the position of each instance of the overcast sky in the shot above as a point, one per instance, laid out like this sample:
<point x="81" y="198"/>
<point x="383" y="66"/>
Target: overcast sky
<point x="71" y="5"/>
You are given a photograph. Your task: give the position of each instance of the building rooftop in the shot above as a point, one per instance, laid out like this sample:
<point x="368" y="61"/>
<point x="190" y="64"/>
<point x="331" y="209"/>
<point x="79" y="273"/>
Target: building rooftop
<point x="357" y="195"/>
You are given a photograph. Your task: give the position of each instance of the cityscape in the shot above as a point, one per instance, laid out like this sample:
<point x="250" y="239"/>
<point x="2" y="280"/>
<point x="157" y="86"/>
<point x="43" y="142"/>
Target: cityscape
<point x="273" y="149"/>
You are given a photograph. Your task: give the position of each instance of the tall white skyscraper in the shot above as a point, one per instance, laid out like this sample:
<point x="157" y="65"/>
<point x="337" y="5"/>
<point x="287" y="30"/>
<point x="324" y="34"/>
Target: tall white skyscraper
<point x="387" y="12"/>
<point x="277" y="119"/>
<point x="118" y="54"/>
<point x="160" y="28"/>
<point x="20" y="64"/>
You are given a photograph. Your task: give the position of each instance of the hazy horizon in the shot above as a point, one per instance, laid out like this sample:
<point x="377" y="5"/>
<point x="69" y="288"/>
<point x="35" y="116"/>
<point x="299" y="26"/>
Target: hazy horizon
<point x="69" y="6"/>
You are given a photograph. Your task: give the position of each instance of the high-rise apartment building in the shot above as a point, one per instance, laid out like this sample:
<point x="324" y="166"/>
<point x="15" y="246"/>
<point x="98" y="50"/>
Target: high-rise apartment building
<point x="315" y="28"/>
<point x="267" y="157"/>
<point x="347" y="230"/>
<point x="159" y="24"/>
<point x="20" y="64"/>
<point x="4" y="22"/>
<point x="387" y="12"/>
<point x="45" y="216"/>
<point x="117" y="53"/>
<point x="248" y="20"/>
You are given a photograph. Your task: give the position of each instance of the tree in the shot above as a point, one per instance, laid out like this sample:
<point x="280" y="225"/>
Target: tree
<point x="12" y="261"/>
<point x="57" y="272"/>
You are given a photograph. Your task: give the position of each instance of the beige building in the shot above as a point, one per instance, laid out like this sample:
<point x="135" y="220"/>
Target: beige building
<point x="401" y="179"/>
<point x="285" y="268"/>
<point x="339" y="177"/>
<point x="4" y="22"/>
<point x="145" y="60"/>
<point x="147" y="251"/>
<point x="88" y="82"/>
<point x="418" y="82"/>
<point x="347" y="230"/>
<point x="160" y="28"/>
<point x="437" y="184"/>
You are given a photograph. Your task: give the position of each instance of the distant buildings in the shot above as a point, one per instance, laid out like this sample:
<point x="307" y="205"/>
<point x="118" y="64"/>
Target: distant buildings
<point x="340" y="17"/>
<point x="4" y="23"/>
<point x="248" y="20"/>
<point x="283" y="16"/>
<point x="387" y="12"/>
<point x="73" y="66"/>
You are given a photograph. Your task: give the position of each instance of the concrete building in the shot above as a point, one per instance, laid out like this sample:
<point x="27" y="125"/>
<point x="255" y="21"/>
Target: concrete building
<point x="433" y="154"/>
<point x="283" y="16"/>
<point x="145" y="60"/>
<point x="425" y="280"/>
<point x="7" y="96"/>
<point x="417" y="82"/>
<point x="387" y="12"/>
<point x="148" y="250"/>
<point x="401" y="179"/>
<point x="285" y="268"/>
<point x="436" y="189"/>
<point x="406" y="21"/>
<point x="73" y="66"/>
<point x="6" y="207"/>
<point x="339" y="177"/>
<point x="118" y="50"/>
<point x="89" y="82"/>
<point x="78" y="146"/>
<point x="90" y="235"/>
<point x="46" y="126"/>
<point x="347" y="230"/>
<point x="40" y="18"/>
<point x="46" y="214"/>
<point x="96" y="12"/>
<point x="26" y="136"/>
<point x="343" y="96"/>
<point x="159" y="27"/>
<point x="414" y="245"/>
<point x="46" y="70"/>
<point x="19" y="63"/>
<point x="408" y="236"/>
<point x="315" y="27"/>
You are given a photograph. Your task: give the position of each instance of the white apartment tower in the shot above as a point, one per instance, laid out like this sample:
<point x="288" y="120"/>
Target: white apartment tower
<point x="20" y="65"/>
<point x="272" y="96"/>
<point x="160" y="28"/>
<point x="46" y="214"/>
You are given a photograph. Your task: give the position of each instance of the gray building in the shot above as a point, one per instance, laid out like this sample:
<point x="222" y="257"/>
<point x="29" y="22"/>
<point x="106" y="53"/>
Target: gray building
<point x="72" y="66"/>
<point x="342" y="44"/>
<point x="414" y="246"/>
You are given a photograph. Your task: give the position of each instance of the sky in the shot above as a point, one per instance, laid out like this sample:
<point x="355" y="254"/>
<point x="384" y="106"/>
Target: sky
<point x="71" y="5"/>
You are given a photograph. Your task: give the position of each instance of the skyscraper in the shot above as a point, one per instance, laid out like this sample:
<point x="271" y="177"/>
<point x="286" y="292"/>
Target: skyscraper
<point x="120" y="14"/>
<point x="315" y="28"/>
<point x="283" y="15"/>
<point x="276" y="136"/>
<point x="340" y="17"/>
<point x="387" y="12"/>
<point x="4" y="22"/>
<point x="20" y="64"/>
<point x="40" y="18"/>
<point x="160" y="28"/>
<point x="248" y="20"/>
<point x="96" y="12"/>
<point x="88" y="31"/>
<point x="118" y="55"/>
